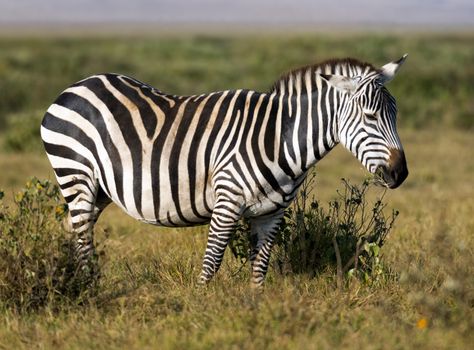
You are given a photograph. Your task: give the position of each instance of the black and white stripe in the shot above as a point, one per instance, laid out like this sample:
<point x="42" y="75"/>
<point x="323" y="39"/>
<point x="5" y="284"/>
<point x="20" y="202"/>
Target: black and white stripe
<point x="213" y="158"/>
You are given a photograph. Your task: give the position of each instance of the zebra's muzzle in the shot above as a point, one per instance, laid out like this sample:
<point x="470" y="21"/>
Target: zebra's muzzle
<point x="396" y="172"/>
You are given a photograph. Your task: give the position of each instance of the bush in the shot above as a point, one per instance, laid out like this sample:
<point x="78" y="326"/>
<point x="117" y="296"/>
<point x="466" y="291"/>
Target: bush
<point x="37" y="265"/>
<point x="347" y="236"/>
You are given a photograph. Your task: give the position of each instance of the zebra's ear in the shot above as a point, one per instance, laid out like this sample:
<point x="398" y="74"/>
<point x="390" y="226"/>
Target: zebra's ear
<point x="345" y="84"/>
<point x="388" y="71"/>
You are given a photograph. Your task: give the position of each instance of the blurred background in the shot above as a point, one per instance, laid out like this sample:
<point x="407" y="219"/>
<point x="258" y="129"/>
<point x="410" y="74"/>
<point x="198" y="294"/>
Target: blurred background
<point x="264" y="14"/>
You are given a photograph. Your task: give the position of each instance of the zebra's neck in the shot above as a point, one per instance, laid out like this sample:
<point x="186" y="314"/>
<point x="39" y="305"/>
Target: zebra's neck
<point x="309" y="121"/>
<point x="311" y="107"/>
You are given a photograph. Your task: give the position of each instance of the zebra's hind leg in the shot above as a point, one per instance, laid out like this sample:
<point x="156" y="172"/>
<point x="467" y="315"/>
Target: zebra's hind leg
<point x="86" y="204"/>
<point x="263" y="231"/>
<point x="225" y="217"/>
<point x="84" y="229"/>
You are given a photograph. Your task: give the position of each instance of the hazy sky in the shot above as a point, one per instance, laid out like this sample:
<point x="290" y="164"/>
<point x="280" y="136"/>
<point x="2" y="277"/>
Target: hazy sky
<point x="241" y="12"/>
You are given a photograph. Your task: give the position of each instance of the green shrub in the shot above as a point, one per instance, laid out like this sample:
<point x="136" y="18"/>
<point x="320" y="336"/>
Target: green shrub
<point x="347" y="236"/>
<point x="37" y="265"/>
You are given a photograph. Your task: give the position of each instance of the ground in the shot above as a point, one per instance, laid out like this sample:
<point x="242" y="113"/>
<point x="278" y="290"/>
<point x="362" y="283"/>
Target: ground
<point x="150" y="297"/>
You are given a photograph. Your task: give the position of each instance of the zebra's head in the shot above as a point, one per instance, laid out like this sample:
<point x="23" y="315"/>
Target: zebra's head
<point x="367" y="123"/>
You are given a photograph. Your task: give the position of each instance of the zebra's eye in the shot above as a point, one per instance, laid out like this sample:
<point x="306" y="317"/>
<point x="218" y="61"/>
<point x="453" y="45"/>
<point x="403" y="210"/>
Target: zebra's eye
<point x="371" y="116"/>
<point x="378" y="83"/>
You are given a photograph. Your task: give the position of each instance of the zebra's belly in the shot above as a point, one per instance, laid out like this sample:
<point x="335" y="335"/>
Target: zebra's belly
<point x="162" y="208"/>
<point x="271" y="201"/>
<point x="261" y="207"/>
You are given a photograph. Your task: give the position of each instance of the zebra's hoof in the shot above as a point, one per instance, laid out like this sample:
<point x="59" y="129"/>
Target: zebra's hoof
<point x="257" y="287"/>
<point x="203" y="281"/>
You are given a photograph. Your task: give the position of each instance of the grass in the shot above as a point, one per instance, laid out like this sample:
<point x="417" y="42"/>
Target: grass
<point x="148" y="297"/>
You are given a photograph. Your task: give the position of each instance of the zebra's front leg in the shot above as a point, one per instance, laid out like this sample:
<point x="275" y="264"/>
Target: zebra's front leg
<point x="225" y="217"/>
<point x="263" y="231"/>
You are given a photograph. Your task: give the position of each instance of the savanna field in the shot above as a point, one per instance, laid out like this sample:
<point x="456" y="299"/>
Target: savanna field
<point x="147" y="297"/>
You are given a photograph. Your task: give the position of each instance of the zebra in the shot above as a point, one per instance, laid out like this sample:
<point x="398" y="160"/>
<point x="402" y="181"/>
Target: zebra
<point x="215" y="158"/>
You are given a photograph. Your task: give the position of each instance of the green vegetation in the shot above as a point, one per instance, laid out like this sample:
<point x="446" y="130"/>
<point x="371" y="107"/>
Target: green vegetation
<point x="346" y="237"/>
<point x="434" y="87"/>
<point x="148" y="297"/>
<point x="37" y="265"/>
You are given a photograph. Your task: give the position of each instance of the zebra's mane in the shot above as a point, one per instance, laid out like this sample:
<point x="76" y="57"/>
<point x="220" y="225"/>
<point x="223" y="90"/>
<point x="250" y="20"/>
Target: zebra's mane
<point x="342" y="66"/>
